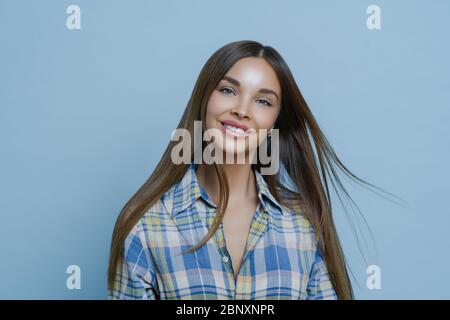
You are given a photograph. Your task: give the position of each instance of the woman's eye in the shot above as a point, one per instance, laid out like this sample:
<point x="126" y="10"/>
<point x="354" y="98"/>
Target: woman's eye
<point x="265" y="102"/>
<point x="226" y="90"/>
<point x="229" y="91"/>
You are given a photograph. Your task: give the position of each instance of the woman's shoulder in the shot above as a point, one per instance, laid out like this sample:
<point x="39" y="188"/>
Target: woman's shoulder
<point x="155" y="215"/>
<point x="296" y="229"/>
<point x="161" y="207"/>
<point x="297" y="214"/>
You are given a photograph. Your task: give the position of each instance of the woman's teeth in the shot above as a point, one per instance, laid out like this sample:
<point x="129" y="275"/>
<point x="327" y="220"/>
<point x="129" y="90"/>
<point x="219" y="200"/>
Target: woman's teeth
<point x="235" y="130"/>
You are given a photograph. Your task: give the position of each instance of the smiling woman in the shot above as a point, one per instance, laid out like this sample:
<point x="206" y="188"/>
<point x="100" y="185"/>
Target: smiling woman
<point x="226" y="231"/>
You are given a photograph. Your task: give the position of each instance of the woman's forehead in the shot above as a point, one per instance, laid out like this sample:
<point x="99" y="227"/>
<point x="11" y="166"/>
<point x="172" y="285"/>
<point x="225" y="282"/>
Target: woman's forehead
<point x="253" y="72"/>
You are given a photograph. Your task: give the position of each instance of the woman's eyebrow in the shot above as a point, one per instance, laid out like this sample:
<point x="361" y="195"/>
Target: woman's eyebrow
<point x="237" y="83"/>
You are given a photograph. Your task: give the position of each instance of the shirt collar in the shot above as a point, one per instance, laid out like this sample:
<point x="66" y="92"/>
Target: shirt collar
<point x="263" y="189"/>
<point x="188" y="190"/>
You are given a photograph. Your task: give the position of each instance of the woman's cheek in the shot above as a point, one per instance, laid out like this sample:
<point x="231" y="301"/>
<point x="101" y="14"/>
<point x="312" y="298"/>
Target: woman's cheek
<point x="264" y="120"/>
<point x="221" y="104"/>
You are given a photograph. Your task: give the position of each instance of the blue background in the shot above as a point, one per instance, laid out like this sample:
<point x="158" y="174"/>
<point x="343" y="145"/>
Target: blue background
<point x="86" y="114"/>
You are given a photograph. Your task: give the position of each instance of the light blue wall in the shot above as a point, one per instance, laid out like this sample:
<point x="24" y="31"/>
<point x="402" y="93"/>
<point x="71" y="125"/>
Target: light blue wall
<point x="86" y="114"/>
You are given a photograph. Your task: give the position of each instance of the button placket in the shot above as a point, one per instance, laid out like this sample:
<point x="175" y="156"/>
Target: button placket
<point x="221" y="247"/>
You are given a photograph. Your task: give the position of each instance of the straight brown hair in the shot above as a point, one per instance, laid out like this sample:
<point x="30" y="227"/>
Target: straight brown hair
<point x="304" y="153"/>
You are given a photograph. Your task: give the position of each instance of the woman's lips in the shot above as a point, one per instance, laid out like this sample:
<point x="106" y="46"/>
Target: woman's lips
<point x="234" y="134"/>
<point x="234" y="124"/>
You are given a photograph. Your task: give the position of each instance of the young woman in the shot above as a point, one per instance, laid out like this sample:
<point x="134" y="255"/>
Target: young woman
<point x="224" y="230"/>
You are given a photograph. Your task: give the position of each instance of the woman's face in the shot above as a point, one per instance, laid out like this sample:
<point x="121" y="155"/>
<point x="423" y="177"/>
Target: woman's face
<point x="248" y="96"/>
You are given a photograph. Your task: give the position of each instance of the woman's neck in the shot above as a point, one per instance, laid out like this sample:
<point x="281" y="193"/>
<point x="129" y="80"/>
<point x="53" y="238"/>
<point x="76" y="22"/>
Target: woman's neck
<point x="241" y="180"/>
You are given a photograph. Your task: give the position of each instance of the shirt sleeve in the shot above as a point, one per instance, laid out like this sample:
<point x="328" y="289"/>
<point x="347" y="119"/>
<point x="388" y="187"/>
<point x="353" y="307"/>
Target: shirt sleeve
<point x="135" y="276"/>
<point x="319" y="283"/>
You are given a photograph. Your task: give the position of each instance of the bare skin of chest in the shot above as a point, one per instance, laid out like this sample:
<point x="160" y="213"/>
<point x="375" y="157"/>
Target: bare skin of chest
<point x="236" y="224"/>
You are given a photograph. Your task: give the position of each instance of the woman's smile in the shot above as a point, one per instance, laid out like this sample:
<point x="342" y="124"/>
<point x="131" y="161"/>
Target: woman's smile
<point x="234" y="131"/>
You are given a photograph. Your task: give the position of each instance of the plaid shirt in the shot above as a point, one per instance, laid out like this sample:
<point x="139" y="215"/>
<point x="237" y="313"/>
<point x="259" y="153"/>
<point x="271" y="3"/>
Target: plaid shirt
<point x="281" y="260"/>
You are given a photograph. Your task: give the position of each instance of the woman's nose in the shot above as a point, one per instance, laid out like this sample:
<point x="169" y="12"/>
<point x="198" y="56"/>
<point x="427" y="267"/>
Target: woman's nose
<point x="240" y="112"/>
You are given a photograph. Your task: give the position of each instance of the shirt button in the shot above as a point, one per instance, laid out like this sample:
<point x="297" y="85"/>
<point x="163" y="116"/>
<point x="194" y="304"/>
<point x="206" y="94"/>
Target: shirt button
<point x="225" y="259"/>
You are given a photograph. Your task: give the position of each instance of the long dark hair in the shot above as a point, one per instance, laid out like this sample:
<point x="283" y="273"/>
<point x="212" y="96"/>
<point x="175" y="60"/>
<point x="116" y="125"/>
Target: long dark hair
<point x="304" y="153"/>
